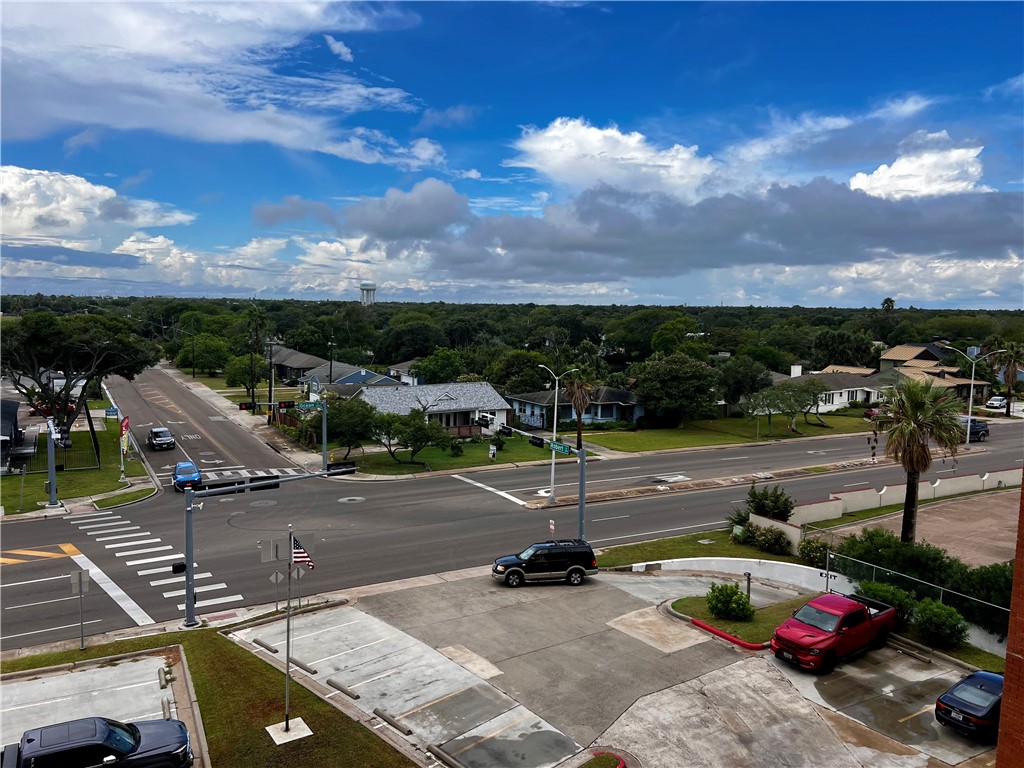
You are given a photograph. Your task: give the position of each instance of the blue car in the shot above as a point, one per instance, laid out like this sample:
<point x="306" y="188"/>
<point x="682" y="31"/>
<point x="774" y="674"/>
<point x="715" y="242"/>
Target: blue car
<point x="186" y="475"/>
<point x="972" y="705"/>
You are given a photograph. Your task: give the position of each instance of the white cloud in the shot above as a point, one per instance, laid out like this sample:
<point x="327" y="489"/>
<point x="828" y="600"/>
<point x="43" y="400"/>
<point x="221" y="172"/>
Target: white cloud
<point x="900" y="109"/>
<point x="1012" y="88"/>
<point x="575" y="154"/>
<point x="928" y="165"/>
<point x="338" y="48"/>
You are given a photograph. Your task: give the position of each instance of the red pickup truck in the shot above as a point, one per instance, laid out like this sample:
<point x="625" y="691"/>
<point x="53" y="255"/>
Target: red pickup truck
<point x="830" y="628"/>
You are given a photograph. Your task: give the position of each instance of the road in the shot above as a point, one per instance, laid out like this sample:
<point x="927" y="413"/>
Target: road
<point x="366" y="532"/>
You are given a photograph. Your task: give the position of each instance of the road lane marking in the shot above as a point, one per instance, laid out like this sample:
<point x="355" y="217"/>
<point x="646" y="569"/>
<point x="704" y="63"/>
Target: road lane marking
<point x="125" y="536"/>
<point x="51" y="629"/>
<point x="39" y="554"/>
<point x="602" y="519"/>
<point x="204" y="588"/>
<point x="734" y="458"/>
<point x="214" y="601"/>
<point x="179" y="579"/>
<point x="144" y="551"/>
<point x="32" y="581"/>
<point x="162" y="569"/>
<point x="854" y="485"/>
<point x="41" y="602"/>
<point x="157" y="559"/>
<point x="129" y="543"/>
<point x="87" y="516"/>
<point x="663" y="530"/>
<point x="104" y="582"/>
<point x="508" y="496"/>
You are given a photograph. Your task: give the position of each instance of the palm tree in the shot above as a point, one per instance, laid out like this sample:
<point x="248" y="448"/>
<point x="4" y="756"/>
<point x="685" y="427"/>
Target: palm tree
<point x="915" y="414"/>
<point x="579" y="389"/>
<point x="1009" y="362"/>
<point x="255" y="325"/>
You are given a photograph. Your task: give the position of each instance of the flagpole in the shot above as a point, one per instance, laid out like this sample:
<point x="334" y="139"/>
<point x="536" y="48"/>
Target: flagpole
<point x="288" y="626"/>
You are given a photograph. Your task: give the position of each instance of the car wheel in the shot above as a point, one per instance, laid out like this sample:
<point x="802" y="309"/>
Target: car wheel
<point x="828" y="664"/>
<point x="575" y="577"/>
<point x="881" y="639"/>
<point x="981" y="437"/>
<point x="514" y="579"/>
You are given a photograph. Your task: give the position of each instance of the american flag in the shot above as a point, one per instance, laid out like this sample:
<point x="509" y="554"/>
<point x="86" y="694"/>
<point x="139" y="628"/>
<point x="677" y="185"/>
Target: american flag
<point x="299" y="554"/>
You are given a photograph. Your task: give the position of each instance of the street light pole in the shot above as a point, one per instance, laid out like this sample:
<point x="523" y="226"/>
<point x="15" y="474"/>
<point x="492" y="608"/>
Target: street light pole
<point x="554" y="428"/>
<point x="970" y="400"/>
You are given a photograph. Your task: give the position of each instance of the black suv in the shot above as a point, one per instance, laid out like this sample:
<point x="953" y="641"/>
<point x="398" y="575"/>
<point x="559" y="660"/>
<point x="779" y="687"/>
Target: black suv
<point x="979" y="429"/>
<point x="99" y="741"/>
<point x="160" y="439"/>
<point x="569" y="559"/>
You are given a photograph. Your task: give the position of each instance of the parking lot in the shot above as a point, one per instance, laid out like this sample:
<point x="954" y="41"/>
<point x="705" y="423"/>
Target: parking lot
<point x="528" y="677"/>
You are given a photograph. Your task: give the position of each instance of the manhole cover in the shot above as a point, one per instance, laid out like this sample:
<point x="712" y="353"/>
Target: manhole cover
<point x="351" y="500"/>
<point x="263" y="503"/>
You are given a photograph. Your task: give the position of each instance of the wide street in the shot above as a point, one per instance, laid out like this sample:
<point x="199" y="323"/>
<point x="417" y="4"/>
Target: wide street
<point x="364" y="532"/>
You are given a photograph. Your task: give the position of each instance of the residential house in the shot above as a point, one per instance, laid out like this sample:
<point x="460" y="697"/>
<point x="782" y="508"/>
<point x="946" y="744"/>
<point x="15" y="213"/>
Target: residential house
<point x="945" y="376"/>
<point x="901" y="354"/>
<point x="456" y="406"/>
<point x="606" y="404"/>
<point x="290" y="364"/>
<point x="403" y="372"/>
<point x="342" y="375"/>
<point x="843" y="388"/>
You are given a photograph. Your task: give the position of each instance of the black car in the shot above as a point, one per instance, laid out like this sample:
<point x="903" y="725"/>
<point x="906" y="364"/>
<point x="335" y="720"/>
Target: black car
<point x="979" y="429"/>
<point x="571" y="560"/>
<point x="972" y="705"/>
<point x="160" y="439"/>
<point x="99" y="741"/>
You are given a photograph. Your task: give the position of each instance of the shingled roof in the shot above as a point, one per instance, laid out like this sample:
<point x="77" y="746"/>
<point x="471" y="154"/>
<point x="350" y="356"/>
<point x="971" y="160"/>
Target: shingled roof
<point x="435" y="398"/>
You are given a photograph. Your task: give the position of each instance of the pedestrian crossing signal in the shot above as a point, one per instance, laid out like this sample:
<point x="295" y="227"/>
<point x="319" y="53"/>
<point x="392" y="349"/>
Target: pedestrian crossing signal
<point x="286" y="404"/>
<point x="245" y="406"/>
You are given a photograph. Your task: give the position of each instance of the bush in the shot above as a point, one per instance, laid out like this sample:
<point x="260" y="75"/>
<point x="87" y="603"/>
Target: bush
<point x="456" y="449"/>
<point x="746" y="535"/>
<point x="498" y="442"/>
<point x="814" y="551"/>
<point x="737" y="517"/>
<point x="726" y="601"/>
<point x="940" y="626"/>
<point x="773" y="541"/>
<point x="904" y="602"/>
<point x="769" y="502"/>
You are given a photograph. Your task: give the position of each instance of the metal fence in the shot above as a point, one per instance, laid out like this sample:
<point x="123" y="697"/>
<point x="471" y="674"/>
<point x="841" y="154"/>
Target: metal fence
<point x="995" y="618"/>
<point x="80" y="455"/>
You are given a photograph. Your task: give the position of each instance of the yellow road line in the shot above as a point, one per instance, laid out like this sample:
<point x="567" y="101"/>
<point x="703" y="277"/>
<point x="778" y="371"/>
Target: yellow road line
<point x="37" y="553"/>
<point x="28" y="555"/>
<point x="70" y="550"/>
<point x="10" y="561"/>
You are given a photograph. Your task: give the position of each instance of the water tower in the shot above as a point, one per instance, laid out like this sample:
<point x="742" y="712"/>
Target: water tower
<point x="366" y="293"/>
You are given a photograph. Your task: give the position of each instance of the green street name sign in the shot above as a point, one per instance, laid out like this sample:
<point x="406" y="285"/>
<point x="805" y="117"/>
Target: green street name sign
<point x="310" y="406"/>
<point x="559" y="448"/>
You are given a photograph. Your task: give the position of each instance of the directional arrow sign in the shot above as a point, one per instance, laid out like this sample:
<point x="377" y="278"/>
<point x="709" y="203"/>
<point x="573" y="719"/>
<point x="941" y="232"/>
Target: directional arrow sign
<point x="559" y="448"/>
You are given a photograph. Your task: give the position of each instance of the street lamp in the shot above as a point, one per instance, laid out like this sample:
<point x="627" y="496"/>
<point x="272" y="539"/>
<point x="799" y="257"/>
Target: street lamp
<point x="554" y="428"/>
<point x="970" y="400"/>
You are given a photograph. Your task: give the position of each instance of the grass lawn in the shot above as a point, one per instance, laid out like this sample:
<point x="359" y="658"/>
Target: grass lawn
<point x="239" y="695"/>
<point x="72" y="484"/>
<point x="683" y="546"/>
<point x="711" y="432"/>
<point x="602" y="761"/>
<point x="238" y="395"/>
<point x="968" y="654"/>
<point x="759" y="630"/>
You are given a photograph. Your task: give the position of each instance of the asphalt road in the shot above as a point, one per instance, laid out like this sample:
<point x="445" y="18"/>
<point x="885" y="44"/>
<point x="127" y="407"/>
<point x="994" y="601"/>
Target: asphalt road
<point x="365" y="532"/>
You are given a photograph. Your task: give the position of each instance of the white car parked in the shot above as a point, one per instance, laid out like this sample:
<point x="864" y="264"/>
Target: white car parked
<point x="996" y="402"/>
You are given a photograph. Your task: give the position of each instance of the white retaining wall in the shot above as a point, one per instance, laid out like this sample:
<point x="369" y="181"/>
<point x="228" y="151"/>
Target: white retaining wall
<point x="870" y="498"/>
<point x="772" y="570"/>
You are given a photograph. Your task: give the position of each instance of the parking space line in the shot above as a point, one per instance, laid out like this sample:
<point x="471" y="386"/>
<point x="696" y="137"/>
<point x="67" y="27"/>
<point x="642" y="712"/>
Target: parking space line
<point x="326" y="629"/>
<point x="382" y="675"/>
<point x="490" y="736"/>
<point x="350" y="650"/>
<point x="438" y="700"/>
<point x="36" y="704"/>
<point x="919" y="712"/>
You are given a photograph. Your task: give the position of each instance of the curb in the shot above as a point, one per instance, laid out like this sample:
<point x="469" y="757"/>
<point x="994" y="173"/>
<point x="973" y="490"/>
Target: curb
<point x="713" y="630"/>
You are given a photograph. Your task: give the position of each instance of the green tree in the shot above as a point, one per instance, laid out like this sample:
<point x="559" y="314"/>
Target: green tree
<point x="255" y="325"/>
<point x="916" y="414"/>
<point x="442" y="366"/>
<point x="85" y="349"/>
<point x="633" y="335"/>
<point x="518" y="372"/>
<point x="206" y="352"/>
<point x="772" y="358"/>
<point x="349" y="422"/>
<point x="674" y="334"/>
<point x="385" y="429"/>
<point x="840" y="348"/>
<point x="417" y="432"/>
<point x="1009" y="363"/>
<point x="681" y="387"/>
<point x="579" y="389"/>
<point x="769" y="502"/>
<point x="237" y="373"/>
<point x="742" y="376"/>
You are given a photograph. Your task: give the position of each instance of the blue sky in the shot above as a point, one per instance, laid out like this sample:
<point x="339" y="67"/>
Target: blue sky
<point x="822" y="154"/>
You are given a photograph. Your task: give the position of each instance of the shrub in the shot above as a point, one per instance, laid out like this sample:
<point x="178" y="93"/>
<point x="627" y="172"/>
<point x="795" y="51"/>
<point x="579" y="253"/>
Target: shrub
<point x="904" y="602"/>
<point x="773" y="541"/>
<point x="498" y="442"/>
<point x="746" y="535"/>
<point x="940" y="626"/>
<point x="738" y="517"/>
<point x="456" y="449"/>
<point x="769" y="502"/>
<point x="813" y="550"/>
<point x="726" y="601"/>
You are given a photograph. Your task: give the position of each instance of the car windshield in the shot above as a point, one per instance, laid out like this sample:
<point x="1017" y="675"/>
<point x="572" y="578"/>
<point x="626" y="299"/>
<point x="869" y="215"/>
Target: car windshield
<point x="815" y="617"/>
<point x="526" y="553"/>
<point x="161" y="433"/>
<point x="187" y="468"/>
<point x="121" y="737"/>
<point x="972" y="694"/>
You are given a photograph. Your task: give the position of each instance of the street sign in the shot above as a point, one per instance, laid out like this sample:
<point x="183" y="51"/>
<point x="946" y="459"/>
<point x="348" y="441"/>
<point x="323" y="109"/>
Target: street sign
<point x="111" y="412"/>
<point x="312" y="405"/>
<point x="559" y="448"/>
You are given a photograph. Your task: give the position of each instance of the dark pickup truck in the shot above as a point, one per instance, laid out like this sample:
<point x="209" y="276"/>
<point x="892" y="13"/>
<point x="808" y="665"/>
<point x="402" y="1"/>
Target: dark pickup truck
<point x="101" y="742"/>
<point x="830" y="628"/>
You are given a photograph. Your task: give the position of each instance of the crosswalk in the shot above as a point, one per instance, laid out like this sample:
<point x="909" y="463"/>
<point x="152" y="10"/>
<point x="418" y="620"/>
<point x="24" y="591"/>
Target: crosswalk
<point x="149" y="557"/>
<point x="234" y="474"/>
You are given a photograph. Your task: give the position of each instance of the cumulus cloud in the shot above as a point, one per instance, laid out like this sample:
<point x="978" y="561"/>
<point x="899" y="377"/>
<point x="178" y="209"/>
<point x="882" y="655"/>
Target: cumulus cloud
<point x="927" y="165"/>
<point x="338" y="48"/>
<point x="428" y="209"/>
<point x="195" y="71"/>
<point x="573" y="153"/>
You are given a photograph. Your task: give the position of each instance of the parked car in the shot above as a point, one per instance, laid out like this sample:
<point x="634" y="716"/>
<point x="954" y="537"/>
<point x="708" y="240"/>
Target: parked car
<point x="100" y="741"/>
<point x="979" y="429"/>
<point x="186" y="475"/>
<point x="870" y="413"/>
<point x="39" y="408"/>
<point x="160" y="439"/>
<point x="996" y="402"/>
<point x="571" y="560"/>
<point x="830" y="628"/>
<point x="972" y="705"/>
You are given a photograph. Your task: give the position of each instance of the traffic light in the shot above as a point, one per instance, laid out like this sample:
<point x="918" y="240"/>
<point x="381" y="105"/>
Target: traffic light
<point x="537" y="441"/>
<point x="178" y="567"/>
<point x="482" y="422"/>
<point x="245" y="406"/>
<point x="505" y="430"/>
<point x="286" y="404"/>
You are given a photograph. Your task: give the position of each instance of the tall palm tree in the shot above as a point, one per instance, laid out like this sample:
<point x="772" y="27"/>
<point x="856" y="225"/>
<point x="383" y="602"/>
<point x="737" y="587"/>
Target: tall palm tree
<point x="579" y="389"/>
<point x="1009" y="362"/>
<point x="915" y="414"/>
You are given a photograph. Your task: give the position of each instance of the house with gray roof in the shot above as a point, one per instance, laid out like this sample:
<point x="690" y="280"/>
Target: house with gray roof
<point x="343" y="374"/>
<point x="290" y="364"/>
<point x="843" y="388"/>
<point x="606" y="404"/>
<point x="455" y="406"/>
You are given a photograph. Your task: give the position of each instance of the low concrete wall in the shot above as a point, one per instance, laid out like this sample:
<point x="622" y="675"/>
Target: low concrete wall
<point x="853" y="501"/>
<point x="949" y="486"/>
<point x="812" y="579"/>
<point x="1002" y="479"/>
<point x="813" y="513"/>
